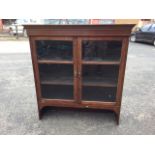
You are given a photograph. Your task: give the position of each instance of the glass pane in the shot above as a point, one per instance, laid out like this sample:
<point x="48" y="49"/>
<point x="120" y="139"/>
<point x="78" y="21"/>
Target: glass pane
<point x="56" y="81"/>
<point x="99" y="74"/>
<point x="101" y="50"/>
<point x="57" y="91"/>
<point x="90" y="93"/>
<point x="99" y="82"/>
<point x="54" y="50"/>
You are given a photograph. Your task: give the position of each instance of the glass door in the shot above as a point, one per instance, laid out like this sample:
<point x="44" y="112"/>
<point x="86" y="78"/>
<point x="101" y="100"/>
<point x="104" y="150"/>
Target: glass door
<point x="56" y="67"/>
<point x="100" y="59"/>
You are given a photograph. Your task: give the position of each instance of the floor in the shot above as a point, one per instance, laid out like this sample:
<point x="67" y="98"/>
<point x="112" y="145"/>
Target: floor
<point x="18" y="106"/>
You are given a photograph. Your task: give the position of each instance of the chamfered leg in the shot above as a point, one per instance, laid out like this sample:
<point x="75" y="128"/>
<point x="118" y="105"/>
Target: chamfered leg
<point x="117" y="118"/>
<point x="40" y="114"/>
<point x="117" y="115"/>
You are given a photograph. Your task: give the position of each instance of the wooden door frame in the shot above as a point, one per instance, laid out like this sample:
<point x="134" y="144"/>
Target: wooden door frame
<point x="40" y="99"/>
<point x="77" y="74"/>
<point x="122" y="64"/>
<point x="124" y="52"/>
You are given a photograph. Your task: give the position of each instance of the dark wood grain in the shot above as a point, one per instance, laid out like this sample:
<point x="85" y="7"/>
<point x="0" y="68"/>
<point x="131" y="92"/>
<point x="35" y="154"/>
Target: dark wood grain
<point x="54" y="62"/>
<point x="77" y="34"/>
<point x="122" y="70"/>
<point x="101" y="62"/>
<point x="79" y="30"/>
<point x="36" y="74"/>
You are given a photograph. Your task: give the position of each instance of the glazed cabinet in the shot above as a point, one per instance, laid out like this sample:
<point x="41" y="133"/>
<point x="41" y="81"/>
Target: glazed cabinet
<point x="79" y="66"/>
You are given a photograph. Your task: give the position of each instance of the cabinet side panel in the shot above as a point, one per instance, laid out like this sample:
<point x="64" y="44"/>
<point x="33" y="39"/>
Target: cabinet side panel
<point x="121" y="76"/>
<point x="35" y="70"/>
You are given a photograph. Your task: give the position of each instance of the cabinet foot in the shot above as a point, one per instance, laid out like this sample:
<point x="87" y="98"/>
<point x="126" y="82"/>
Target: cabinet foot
<point x="40" y="114"/>
<point x="117" y="116"/>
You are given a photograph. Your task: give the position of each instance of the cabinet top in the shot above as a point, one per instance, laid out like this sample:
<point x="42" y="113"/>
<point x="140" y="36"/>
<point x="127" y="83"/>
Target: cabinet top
<point x="79" y="30"/>
<point x="84" y="25"/>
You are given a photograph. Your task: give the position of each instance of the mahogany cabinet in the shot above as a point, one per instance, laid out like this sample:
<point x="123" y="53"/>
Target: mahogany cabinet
<point x="79" y="66"/>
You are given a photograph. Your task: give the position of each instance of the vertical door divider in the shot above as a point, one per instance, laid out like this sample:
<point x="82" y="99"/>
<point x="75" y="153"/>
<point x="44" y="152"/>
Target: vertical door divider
<point x="75" y="63"/>
<point x="79" y="69"/>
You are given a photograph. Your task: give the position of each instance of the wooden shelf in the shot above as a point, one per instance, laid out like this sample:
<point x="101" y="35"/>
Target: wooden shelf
<point x="56" y="81"/>
<point x="79" y="66"/>
<point x="100" y="82"/>
<point x="45" y="61"/>
<point x="104" y="82"/>
<point x="101" y="62"/>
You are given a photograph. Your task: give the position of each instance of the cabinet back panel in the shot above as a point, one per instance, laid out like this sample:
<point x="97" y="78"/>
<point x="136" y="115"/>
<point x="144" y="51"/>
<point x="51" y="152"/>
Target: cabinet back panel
<point x="90" y="93"/>
<point x="101" y="50"/>
<point x="54" y="49"/>
<point x="100" y="72"/>
<point x="57" y="91"/>
<point x="56" y="71"/>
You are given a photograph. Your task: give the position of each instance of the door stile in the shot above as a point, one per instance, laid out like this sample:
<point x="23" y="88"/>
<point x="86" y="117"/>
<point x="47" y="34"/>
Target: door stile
<point x="75" y="63"/>
<point x="79" y="69"/>
<point x="122" y="68"/>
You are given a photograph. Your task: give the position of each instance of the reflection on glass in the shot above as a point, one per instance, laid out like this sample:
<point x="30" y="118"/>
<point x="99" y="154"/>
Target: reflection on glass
<point x="56" y="72"/>
<point x="101" y="50"/>
<point x="54" y="50"/>
<point x="99" y="82"/>
<point x="57" y="91"/>
<point x="90" y="93"/>
<point x="56" y="81"/>
<point x="98" y="74"/>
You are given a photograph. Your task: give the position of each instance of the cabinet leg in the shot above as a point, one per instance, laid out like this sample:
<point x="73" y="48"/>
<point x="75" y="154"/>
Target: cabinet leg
<point x="40" y="114"/>
<point x="117" y="116"/>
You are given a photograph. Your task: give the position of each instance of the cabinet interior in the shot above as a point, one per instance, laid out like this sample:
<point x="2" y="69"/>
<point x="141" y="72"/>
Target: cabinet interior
<point x="98" y="81"/>
<point x="101" y="50"/>
<point x="79" y="66"/>
<point x="54" y="50"/>
<point x="57" y="91"/>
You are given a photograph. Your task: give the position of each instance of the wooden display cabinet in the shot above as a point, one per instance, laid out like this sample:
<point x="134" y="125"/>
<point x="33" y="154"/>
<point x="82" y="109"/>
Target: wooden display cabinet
<point x="79" y="66"/>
